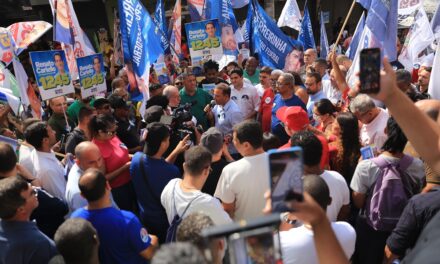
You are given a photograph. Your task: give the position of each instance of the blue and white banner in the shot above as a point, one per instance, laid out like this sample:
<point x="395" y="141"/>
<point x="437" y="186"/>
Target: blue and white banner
<point x="382" y="20"/>
<point x="351" y="52"/>
<point x="204" y="41"/>
<point x="91" y="75"/>
<point x="162" y="72"/>
<point x="13" y="101"/>
<point x="323" y="40"/>
<point x="230" y="33"/>
<point x="51" y="73"/>
<point x="306" y="31"/>
<point x="275" y="49"/>
<point x="160" y="22"/>
<point x="290" y="16"/>
<point x="239" y="3"/>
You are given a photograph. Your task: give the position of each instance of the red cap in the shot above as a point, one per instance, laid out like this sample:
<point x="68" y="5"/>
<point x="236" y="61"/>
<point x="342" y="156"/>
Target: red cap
<point x="294" y="117"/>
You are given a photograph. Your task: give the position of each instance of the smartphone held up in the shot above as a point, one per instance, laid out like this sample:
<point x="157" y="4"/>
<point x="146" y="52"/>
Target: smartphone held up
<point x="370" y="70"/>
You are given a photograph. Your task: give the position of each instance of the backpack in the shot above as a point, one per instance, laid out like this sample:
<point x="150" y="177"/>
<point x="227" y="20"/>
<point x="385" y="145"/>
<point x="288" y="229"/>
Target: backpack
<point x="172" y="229"/>
<point x="390" y="194"/>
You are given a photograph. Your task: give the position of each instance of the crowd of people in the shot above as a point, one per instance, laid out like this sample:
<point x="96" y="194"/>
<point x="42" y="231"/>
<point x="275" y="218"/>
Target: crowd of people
<point x="94" y="181"/>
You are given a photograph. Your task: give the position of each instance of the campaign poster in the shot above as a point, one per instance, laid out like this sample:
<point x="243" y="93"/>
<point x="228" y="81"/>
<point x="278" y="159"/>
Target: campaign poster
<point x="91" y="75"/>
<point x="162" y="72"/>
<point x="51" y="73"/>
<point x="204" y="40"/>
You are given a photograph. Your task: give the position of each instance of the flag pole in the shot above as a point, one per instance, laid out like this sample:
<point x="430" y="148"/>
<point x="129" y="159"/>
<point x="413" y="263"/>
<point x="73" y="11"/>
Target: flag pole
<point x="343" y="25"/>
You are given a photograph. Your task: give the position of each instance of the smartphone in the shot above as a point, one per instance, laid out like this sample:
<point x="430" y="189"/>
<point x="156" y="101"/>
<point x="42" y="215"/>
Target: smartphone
<point x="370" y="70"/>
<point x="286" y="177"/>
<point x="367" y="152"/>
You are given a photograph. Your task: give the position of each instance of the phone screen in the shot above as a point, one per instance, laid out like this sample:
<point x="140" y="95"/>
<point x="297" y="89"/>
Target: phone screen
<point x="370" y="70"/>
<point x="286" y="172"/>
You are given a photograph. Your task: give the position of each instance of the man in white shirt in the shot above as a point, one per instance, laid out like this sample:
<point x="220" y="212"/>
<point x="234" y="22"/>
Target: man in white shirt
<point x="265" y="82"/>
<point x="298" y="245"/>
<point x="373" y="119"/>
<point x="87" y="155"/>
<point x="244" y="95"/>
<point x="183" y="197"/>
<point x="47" y="168"/>
<point x="25" y="150"/>
<point x="339" y="209"/>
<point x="242" y="183"/>
<point x="314" y="89"/>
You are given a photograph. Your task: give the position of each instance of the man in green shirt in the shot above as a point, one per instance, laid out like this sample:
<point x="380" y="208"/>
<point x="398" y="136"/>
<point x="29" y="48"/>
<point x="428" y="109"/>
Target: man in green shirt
<point x="73" y="110"/>
<point x="57" y="120"/>
<point x="197" y="97"/>
<point x="251" y="72"/>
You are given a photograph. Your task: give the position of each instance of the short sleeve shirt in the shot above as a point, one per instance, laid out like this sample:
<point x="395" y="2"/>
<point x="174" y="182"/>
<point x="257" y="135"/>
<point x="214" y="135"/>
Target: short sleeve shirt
<point x="246" y="98"/>
<point x="200" y="99"/>
<point x="266" y="109"/>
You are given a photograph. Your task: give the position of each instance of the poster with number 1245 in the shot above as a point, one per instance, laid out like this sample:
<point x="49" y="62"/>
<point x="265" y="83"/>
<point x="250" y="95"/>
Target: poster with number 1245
<point x="51" y="73"/>
<point x="91" y="75"/>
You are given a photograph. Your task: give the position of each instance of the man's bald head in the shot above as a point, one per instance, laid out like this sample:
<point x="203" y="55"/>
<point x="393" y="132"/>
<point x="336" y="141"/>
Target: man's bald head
<point x="430" y="107"/>
<point x="88" y="156"/>
<point x="310" y="56"/>
<point x="92" y="185"/>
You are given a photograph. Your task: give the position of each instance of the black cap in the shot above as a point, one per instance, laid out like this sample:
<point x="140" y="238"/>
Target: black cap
<point x="118" y="102"/>
<point x="153" y="114"/>
<point x="100" y="102"/>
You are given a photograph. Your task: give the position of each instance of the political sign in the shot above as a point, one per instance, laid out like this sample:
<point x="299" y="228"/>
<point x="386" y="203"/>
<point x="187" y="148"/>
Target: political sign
<point x="51" y="73"/>
<point x="162" y="72"/>
<point x="6" y="51"/>
<point x="91" y="75"/>
<point x="204" y="40"/>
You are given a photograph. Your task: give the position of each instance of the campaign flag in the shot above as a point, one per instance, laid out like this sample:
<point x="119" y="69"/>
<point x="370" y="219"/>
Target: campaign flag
<point x="382" y="20"/>
<point x="160" y="22"/>
<point x="306" y="31"/>
<point x="239" y="3"/>
<point x="419" y="37"/>
<point x="175" y="31"/>
<point x="7" y="80"/>
<point x="162" y="72"/>
<point x="275" y="49"/>
<point x="91" y="75"/>
<point x="13" y="101"/>
<point x="323" y="40"/>
<point x="195" y="8"/>
<point x="140" y="43"/>
<point x="25" y="33"/>
<point x="118" y="55"/>
<point x="434" y="81"/>
<point x="290" y="16"/>
<point x="222" y="10"/>
<point x="51" y="73"/>
<point x="67" y="31"/>
<point x="6" y="46"/>
<point x="351" y="52"/>
<point x="435" y="22"/>
<point x="204" y="41"/>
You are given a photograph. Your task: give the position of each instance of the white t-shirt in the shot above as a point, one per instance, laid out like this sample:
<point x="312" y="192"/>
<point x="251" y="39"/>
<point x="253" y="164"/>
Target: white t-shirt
<point x="332" y="93"/>
<point x="246" y="98"/>
<point x="298" y="247"/>
<point x="374" y="132"/>
<point x="260" y="89"/>
<point x="339" y="193"/>
<point x="73" y="194"/>
<point x="50" y="172"/>
<point x="24" y="158"/>
<point x="204" y="203"/>
<point x="245" y="181"/>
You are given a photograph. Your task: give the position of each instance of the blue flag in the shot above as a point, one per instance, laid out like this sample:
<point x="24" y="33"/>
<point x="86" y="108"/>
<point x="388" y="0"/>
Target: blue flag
<point x="306" y="31"/>
<point x="275" y="49"/>
<point x="382" y="21"/>
<point x="323" y="40"/>
<point x="222" y="10"/>
<point x="351" y="52"/>
<point x="141" y="44"/>
<point x="160" y="22"/>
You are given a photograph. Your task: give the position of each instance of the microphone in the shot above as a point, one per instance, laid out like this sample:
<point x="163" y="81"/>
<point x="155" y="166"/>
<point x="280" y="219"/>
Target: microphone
<point x="212" y="104"/>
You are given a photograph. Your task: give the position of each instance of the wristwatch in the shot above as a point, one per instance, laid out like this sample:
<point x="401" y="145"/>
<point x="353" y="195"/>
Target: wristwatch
<point x="287" y="220"/>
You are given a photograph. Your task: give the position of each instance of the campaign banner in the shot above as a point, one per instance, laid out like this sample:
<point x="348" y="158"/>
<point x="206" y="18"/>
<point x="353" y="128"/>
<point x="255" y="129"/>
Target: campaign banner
<point x="51" y="73"/>
<point x="162" y="72"/>
<point x="25" y="33"/>
<point x="204" y="38"/>
<point x="6" y="54"/>
<point x="91" y="75"/>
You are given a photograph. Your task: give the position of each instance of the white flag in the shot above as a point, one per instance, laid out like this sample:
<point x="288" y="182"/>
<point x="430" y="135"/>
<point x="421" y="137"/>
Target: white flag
<point x="434" y="81"/>
<point x="419" y="37"/>
<point x="290" y="16"/>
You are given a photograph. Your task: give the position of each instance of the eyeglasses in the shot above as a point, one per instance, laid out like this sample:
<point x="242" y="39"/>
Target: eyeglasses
<point x="281" y="84"/>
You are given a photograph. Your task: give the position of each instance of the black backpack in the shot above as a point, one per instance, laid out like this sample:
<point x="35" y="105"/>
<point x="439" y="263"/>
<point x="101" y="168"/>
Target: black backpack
<point x="172" y="230"/>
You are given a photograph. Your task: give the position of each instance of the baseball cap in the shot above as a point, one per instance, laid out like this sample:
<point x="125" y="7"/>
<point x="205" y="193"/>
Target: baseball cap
<point x="294" y="117"/>
<point x="153" y="114"/>
<point x="212" y="139"/>
<point x="118" y="102"/>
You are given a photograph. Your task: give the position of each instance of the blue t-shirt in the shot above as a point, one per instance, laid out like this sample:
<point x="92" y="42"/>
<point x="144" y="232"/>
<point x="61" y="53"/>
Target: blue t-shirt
<point x="158" y="173"/>
<point x="278" y="102"/>
<point x="121" y="235"/>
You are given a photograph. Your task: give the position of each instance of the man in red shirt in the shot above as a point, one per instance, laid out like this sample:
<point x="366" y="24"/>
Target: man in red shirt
<point x="295" y="119"/>
<point x="266" y="103"/>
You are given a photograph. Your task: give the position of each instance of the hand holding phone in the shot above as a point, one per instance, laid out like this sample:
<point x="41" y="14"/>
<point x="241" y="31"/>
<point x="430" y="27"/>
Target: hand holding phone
<point x="370" y="70"/>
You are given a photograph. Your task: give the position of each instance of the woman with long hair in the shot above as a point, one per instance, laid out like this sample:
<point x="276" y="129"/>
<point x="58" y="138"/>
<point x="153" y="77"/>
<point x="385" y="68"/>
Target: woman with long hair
<point x="347" y="145"/>
<point x="324" y="113"/>
<point x="116" y="160"/>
